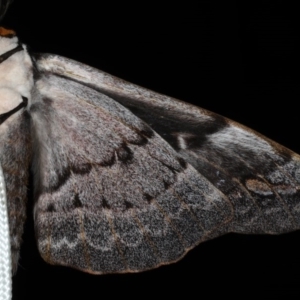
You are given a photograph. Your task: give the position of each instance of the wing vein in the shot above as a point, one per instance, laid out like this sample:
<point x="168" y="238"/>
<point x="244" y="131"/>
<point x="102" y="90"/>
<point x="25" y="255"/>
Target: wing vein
<point x="180" y="237"/>
<point x="114" y="234"/>
<point x="147" y="236"/>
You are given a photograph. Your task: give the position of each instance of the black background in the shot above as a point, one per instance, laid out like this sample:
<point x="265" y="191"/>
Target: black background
<point x="238" y="59"/>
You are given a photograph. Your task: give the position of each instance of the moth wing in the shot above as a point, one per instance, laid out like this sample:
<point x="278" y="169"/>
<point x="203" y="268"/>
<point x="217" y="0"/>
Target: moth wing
<point x="15" y="159"/>
<point x="111" y="194"/>
<point x="260" y="177"/>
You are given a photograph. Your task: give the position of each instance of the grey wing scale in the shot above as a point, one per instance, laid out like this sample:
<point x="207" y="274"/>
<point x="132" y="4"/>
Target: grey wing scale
<point x="199" y="176"/>
<point x="111" y="194"/>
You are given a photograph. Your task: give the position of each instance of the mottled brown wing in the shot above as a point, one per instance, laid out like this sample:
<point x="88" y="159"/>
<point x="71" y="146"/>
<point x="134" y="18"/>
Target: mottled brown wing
<point x="111" y="194"/>
<point x="15" y="158"/>
<point x="260" y="177"/>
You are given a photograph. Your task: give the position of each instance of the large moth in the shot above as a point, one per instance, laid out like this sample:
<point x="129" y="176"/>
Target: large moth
<point x="199" y="92"/>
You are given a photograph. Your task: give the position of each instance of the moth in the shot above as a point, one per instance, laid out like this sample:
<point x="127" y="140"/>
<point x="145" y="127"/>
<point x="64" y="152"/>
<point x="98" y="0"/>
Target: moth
<point x="125" y="179"/>
<point x="200" y="141"/>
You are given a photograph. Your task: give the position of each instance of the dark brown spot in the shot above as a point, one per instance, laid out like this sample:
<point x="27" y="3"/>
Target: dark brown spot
<point x="81" y="169"/>
<point x="182" y="162"/>
<point x="77" y="202"/>
<point x="124" y="153"/>
<point x="105" y="204"/>
<point x="51" y="208"/>
<point x="109" y="162"/>
<point x="140" y="141"/>
<point x="166" y="184"/>
<point x="148" y="198"/>
<point x="128" y="205"/>
<point x="147" y="131"/>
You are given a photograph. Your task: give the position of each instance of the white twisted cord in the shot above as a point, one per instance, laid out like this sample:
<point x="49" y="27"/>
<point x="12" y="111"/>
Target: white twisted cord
<point x="5" y="254"/>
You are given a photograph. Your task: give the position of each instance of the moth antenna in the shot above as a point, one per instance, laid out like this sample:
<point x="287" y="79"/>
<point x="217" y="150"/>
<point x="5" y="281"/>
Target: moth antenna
<point x="4" y="4"/>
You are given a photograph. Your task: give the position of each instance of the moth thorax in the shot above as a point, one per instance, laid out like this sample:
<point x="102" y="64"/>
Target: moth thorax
<point x="9" y="99"/>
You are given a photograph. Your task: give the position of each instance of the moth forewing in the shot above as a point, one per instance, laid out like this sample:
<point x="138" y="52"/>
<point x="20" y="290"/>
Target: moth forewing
<point x="114" y="220"/>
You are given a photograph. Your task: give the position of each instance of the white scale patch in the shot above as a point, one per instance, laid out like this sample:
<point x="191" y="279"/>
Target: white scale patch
<point x="232" y="135"/>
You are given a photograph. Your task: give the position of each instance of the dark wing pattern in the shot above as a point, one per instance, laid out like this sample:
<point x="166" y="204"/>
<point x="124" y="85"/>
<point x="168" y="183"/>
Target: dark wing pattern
<point x="136" y="199"/>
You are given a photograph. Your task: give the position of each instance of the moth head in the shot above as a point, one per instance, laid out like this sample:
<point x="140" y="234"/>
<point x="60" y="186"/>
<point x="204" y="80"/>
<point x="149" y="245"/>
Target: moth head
<point x="8" y="40"/>
<point x="8" y="33"/>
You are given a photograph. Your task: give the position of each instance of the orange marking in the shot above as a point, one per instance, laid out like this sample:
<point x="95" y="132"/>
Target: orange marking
<point x="6" y="32"/>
